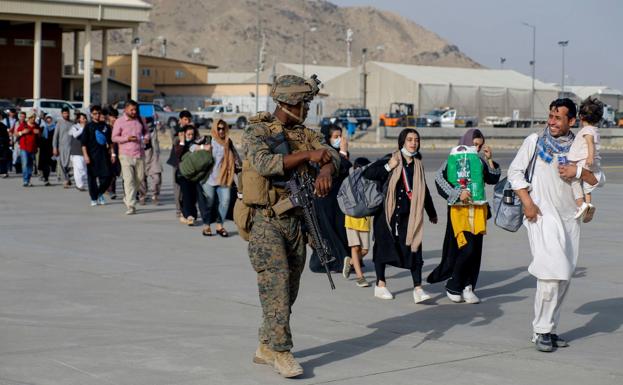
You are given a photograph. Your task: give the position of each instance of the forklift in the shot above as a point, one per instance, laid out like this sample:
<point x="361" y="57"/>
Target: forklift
<point x="399" y="115"/>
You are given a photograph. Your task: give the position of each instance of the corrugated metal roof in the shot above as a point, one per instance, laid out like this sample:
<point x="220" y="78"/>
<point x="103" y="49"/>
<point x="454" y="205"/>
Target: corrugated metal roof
<point x="116" y="3"/>
<point x="465" y="76"/>
<point x="584" y="92"/>
<point x="107" y="13"/>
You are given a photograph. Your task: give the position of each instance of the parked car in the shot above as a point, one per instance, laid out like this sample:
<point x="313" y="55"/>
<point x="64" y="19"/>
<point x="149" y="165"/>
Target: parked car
<point x="51" y="107"/>
<point x="79" y="105"/>
<point x="341" y="116"/>
<point x="234" y="118"/>
<point x="6" y="105"/>
<point x="447" y="117"/>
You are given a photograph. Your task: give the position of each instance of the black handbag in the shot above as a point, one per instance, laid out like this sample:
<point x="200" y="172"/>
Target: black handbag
<point x="507" y="205"/>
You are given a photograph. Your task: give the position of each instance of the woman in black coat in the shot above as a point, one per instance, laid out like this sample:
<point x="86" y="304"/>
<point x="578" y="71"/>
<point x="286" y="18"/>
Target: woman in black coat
<point x="330" y="217"/>
<point x="460" y="266"/>
<point x="398" y="224"/>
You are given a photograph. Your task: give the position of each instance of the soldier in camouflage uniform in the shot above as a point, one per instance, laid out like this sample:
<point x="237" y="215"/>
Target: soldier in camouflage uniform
<point x="276" y="241"/>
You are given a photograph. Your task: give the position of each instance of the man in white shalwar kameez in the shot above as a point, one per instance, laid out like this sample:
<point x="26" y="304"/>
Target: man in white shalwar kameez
<point x="549" y="208"/>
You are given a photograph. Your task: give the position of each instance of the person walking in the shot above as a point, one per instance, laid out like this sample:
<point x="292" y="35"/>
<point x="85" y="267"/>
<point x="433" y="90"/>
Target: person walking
<point x="549" y="217"/>
<point x="398" y="227"/>
<point x="96" y="151"/>
<point x="46" y="163"/>
<point x="115" y="167"/>
<point x="153" y="169"/>
<point x="189" y="141"/>
<point x="130" y="133"/>
<point x="277" y="145"/>
<point x="28" y="133"/>
<point x="185" y="119"/>
<point x="75" y="153"/>
<point x="218" y="185"/>
<point x="358" y="235"/>
<point x="61" y="144"/>
<point x="466" y="225"/>
<point x="9" y="122"/>
<point x="5" y="150"/>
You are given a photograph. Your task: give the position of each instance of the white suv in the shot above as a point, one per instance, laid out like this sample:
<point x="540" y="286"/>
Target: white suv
<point x="49" y="106"/>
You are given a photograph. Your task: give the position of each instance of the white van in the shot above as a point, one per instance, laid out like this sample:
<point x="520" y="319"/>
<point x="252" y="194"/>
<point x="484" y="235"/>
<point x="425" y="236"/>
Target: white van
<point x="49" y="106"/>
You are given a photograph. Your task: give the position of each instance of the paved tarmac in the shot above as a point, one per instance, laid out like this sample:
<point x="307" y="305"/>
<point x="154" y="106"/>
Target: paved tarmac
<point x="91" y="296"/>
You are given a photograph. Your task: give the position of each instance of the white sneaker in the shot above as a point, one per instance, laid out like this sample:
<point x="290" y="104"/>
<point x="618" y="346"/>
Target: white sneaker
<point x="419" y="295"/>
<point x="469" y="296"/>
<point x="581" y="210"/>
<point x="130" y="211"/>
<point x="93" y="203"/>
<point x="454" y="297"/>
<point x="346" y="268"/>
<point x="101" y="201"/>
<point x="382" y="293"/>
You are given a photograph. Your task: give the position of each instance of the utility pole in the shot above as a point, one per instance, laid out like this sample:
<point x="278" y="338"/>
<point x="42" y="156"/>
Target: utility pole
<point x="502" y="61"/>
<point x="563" y="44"/>
<point x="533" y="65"/>
<point x="349" y="46"/>
<point x="364" y="77"/>
<point x="260" y="46"/>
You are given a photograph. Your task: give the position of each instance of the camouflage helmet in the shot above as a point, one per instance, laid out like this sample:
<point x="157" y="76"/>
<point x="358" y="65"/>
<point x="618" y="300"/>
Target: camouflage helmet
<point x="292" y="89"/>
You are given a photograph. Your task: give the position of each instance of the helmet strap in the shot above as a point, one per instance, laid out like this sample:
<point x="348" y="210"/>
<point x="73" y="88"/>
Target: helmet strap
<point x="299" y="119"/>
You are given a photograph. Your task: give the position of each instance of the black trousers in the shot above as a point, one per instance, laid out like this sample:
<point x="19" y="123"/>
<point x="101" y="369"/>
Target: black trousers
<point x="192" y="195"/>
<point x="467" y="264"/>
<point x="95" y="189"/>
<point x="416" y="273"/>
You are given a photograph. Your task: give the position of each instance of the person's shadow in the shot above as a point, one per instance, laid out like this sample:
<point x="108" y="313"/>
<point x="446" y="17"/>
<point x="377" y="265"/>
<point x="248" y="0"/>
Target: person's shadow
<point x="433" y="322"/>
<point x="606" y="319"/>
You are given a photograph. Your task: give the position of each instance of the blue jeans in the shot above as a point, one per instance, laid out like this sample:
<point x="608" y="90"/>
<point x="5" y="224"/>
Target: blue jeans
<point x="211" y="193"/>
<point x="28" y="160"/>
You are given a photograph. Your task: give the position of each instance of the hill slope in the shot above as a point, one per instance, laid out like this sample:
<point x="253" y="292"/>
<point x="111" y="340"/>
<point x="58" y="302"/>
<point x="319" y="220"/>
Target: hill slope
<point x="225" y="31"/>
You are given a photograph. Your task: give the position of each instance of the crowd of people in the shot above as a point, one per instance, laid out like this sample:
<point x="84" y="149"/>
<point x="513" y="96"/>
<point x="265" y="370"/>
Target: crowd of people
<point x="92" y="152"/>
<point x="565" y="169"/>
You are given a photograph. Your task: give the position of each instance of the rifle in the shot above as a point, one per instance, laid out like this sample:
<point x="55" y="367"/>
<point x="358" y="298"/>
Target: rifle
<point x="301" y="189"/>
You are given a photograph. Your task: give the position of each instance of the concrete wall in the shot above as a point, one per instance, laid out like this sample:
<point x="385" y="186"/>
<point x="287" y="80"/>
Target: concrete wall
<point x="16" y="65"/>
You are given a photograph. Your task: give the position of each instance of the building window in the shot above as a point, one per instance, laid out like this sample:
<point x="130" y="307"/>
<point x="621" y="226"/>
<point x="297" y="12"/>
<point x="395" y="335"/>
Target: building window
<point x="31" y="43"/>
<point x="146" y="72"/>
<point x="111" y="73"/>
<point x="179" y="74"/>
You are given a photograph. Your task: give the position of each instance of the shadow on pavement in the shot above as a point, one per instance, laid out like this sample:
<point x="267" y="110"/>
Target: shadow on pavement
<point x="433" y="322"/>
<point x="606" y="319"/>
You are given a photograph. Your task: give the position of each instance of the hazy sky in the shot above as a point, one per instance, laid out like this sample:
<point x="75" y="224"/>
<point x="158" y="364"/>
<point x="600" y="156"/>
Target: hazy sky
<point x="486" y="30"/>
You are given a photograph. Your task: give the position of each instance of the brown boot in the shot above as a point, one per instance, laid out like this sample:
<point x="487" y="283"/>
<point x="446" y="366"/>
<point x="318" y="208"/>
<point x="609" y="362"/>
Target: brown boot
<point x="264" y="355"/>
<point x="286" y="365"/>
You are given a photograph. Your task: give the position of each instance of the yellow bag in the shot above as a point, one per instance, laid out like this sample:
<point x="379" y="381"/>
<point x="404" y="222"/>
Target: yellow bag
<point x="256" y="191"/>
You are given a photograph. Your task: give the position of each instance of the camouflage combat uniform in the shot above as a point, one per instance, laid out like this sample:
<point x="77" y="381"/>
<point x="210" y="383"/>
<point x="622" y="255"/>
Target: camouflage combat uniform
<point x="277" y="243"/>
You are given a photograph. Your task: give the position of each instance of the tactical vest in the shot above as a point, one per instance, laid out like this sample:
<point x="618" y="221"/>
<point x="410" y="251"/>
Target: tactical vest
<point x="259" y="190"/>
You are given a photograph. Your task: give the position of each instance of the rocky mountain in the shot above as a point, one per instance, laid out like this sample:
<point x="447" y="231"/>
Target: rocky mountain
<point x="225" y="33"/>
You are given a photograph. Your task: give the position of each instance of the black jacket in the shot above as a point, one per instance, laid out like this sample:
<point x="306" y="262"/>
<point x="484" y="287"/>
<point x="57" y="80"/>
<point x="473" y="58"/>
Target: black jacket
<point x="389" y="248"/>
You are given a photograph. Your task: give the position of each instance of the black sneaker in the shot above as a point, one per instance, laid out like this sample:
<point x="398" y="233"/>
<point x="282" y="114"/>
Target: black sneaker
<point x="543" y="342"/>
<point x="558" y="342"/>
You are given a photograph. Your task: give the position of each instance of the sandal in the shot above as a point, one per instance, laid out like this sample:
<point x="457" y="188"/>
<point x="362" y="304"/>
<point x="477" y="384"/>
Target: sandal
<point x="222" y="232"/>
<point x="207" y="232"/>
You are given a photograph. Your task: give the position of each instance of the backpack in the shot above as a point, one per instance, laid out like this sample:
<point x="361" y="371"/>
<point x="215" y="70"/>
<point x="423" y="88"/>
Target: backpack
<point x="359" y="197"/>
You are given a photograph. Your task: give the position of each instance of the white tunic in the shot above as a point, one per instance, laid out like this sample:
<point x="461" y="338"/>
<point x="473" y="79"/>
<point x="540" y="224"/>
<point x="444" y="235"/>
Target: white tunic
<point x="555" y="236"/>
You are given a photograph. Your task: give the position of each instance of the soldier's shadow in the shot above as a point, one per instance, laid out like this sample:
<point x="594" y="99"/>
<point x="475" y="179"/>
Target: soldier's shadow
<point x="432" y="322"/>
